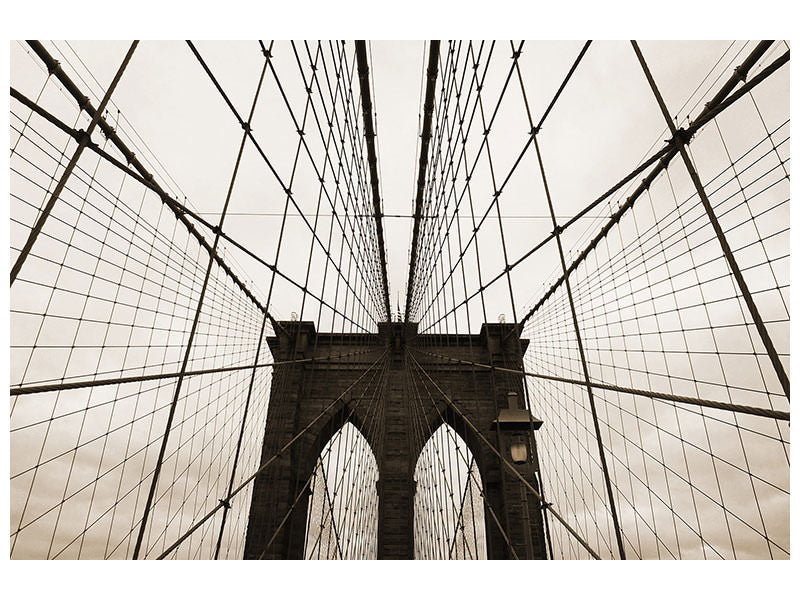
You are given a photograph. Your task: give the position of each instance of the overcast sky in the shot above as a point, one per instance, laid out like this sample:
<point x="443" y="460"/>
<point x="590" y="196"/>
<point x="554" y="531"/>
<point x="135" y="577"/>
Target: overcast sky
<point x="606" y="118"/>
<point x="603" y="126"/>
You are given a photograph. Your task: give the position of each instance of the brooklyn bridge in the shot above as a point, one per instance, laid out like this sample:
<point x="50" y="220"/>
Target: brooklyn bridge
<point x="373" y="300"/>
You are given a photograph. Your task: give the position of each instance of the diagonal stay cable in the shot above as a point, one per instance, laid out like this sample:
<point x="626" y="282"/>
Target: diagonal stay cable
<point x="139" y="171"/>
<point x="486" y="502"/>
<point x="507" y="464"/>
<point x="740" y="408"/>
<point x="662" y="157"/>
<point x="264" y="465"/>
<point x="246" y="126"/>
<point x="447" y="484"/>
<point x="374" y="423"/>
<point x="712" y="108"/>
<point x="82" y="144"/>
<point x="193" y="330"/>
<point x="327" y="453"/>
<point x="355" y="185"/>
<point x="513" y="168"/>
<point x="726" y="249"/>
<point x="72" y="385"/>
<point x="183" y="211"/>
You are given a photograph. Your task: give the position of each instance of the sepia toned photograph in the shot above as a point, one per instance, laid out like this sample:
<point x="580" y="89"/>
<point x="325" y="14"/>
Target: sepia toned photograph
<point x="399" y="300"/>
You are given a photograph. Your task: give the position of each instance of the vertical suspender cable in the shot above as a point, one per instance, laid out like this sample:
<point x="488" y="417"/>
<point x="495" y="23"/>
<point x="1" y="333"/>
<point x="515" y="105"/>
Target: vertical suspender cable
<point x="430" y="92"/>
<point x="85" y="140"/>
<point x="712" y="217"/>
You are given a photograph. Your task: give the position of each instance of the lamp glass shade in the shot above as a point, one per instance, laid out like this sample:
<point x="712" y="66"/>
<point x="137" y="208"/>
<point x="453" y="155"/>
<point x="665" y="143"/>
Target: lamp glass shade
<point x="519" y="452"/>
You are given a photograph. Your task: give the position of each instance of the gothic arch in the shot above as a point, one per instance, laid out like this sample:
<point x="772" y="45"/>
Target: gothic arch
<point x="442" y="414"/>
<point x="303" y="391"/>
<point x="333" y="529"/>
<point x="351" y="413"/>
<point x="448" y="482"/>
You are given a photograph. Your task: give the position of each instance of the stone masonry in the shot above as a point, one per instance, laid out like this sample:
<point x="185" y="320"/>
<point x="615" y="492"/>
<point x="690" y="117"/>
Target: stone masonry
<point x="307" y="388"/>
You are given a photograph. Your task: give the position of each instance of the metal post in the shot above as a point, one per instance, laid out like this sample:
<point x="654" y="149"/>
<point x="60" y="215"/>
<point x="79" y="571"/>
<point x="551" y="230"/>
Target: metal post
<point x="712" y="217"/>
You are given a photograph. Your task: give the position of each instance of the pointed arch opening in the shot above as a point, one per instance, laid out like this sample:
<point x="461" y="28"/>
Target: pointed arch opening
<point x="342" y="518"/>
<point x="449" y="521"/>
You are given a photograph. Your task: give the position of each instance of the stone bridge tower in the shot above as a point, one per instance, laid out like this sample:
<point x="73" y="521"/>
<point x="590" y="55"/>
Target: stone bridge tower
<point x="306" y="388"/>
